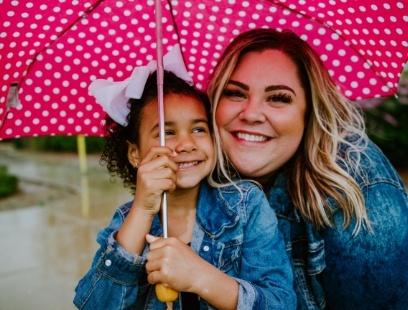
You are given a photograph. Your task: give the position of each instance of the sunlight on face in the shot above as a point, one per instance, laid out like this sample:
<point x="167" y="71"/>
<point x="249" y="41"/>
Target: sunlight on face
<point x="187" y="133"/>
<point x="261" y="114"/>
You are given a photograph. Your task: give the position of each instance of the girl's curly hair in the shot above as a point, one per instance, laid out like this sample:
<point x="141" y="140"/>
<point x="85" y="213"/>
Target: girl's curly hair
<point x="115" y="151"/>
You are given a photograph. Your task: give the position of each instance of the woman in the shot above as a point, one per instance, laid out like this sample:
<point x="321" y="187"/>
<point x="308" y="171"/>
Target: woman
<point x="341" y="206"/>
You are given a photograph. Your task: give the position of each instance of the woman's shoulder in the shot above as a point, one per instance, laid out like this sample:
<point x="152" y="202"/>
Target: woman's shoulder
<point x="367" y="164"/>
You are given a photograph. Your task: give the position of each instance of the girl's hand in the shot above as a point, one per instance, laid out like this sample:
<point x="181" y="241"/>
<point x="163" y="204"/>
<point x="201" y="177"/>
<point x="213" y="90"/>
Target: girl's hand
<point x="173" y="263"/>
<point x="156" y="174"/>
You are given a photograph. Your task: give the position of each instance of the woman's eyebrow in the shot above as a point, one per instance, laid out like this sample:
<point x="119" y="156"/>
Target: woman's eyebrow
<point x="279" y="87"/>
<point x="239" y="84"/>
<point x="268" y="88"/>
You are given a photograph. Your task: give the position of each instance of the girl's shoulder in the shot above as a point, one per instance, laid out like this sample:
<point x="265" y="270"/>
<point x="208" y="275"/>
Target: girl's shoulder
<point x="239" y="186"/>
<point x="241" y="196"/>
<point x="125" y="208"/>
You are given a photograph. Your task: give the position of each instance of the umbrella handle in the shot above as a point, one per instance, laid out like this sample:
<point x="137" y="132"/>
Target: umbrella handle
<point x="165" y="294"/>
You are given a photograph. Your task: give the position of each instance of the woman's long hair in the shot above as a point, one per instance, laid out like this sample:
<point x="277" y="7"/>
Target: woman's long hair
<point x="315" y="174"/>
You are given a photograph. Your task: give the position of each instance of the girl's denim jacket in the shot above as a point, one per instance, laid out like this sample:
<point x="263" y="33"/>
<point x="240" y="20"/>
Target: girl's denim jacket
<point x="334" y="269"/>
<point x="236" y="233"/>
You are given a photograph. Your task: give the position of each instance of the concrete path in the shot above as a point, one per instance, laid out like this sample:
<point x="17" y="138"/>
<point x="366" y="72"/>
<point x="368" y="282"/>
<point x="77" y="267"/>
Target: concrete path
<point x="47" y="235"/>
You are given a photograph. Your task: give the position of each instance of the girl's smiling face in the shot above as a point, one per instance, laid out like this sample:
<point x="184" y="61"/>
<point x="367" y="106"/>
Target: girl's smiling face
<point x="187" y="133"/>
<point x="261" y="114"/>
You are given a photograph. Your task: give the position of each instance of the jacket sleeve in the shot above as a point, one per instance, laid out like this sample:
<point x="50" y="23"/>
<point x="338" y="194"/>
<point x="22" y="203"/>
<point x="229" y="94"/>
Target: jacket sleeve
<point x="369" y="270"/>
<point x="266" y="276"/>
<point x="113" y="282"/>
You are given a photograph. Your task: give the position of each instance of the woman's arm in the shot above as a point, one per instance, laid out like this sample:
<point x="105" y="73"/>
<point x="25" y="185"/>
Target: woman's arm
<point x="369" y="270"/>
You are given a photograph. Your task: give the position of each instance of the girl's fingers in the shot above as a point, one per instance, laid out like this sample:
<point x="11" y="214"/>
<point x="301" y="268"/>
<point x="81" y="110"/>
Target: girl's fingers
<point x="161" y="179"/>
<point x="154" y="278"/>
<point x="150" y="238"/>
<point x="161" y="156"/>
<point x="172" y="262"/>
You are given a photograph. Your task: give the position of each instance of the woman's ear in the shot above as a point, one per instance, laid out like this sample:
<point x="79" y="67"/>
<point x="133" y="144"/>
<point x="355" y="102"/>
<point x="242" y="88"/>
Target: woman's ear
<point x="133" y="154"/>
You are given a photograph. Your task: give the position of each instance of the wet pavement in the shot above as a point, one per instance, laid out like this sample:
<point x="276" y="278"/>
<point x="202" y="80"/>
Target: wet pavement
<point x="48" y="230"/>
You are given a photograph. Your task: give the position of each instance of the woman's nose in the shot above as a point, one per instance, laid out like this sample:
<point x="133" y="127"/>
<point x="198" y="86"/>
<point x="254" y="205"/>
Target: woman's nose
<point x="252" y="112"/>
<point x="185" y="143"/>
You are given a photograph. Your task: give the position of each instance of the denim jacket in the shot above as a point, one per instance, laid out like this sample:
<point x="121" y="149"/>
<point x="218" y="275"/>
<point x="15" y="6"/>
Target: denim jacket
<point x="334" y="269"/>
<point x="236" y="233"/>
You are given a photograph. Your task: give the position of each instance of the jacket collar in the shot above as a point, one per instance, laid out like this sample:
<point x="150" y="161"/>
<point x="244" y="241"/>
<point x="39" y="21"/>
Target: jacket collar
<point x="279" y="199"/>
<point x="214" y="211"/>
<point x="213" y="214"/>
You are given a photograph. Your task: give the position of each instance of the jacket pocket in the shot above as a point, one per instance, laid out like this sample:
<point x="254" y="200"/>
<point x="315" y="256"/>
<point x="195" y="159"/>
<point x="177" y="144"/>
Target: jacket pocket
<point x="230" y="255"/>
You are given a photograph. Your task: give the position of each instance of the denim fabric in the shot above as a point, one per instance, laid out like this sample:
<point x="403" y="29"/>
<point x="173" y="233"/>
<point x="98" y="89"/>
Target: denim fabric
<point x="237" y="234"/>
<point x="335" y="270"/>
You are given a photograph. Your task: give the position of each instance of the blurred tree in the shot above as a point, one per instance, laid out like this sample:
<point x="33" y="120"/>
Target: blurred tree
<point x="59" y="144"/>
<point x="8" y="183"/>
<point x="387" y="123"/>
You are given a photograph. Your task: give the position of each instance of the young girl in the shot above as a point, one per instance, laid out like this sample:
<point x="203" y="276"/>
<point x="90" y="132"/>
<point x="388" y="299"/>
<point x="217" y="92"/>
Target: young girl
<point x="224" y="249"/>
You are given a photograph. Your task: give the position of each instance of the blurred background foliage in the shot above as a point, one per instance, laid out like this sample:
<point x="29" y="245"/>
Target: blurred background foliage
<point x="8" y="182"/>
<point x="58" y="144"/>
<point x="387" y="123"/>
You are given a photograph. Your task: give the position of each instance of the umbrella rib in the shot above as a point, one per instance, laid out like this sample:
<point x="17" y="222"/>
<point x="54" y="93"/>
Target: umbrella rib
<point x="176" y="30"/>
<point x="76" y="21"/>
<point x="326" y="25"/>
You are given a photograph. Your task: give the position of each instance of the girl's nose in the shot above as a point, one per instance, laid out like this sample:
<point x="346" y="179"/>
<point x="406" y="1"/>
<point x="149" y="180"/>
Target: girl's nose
<point x="252" y="112"/>
<point x="185" y="143"/>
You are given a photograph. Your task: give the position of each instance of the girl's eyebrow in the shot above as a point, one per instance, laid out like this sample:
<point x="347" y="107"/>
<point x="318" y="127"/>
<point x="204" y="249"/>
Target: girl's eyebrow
<point x="268" y="88"/>
<point x="194" y="121"/>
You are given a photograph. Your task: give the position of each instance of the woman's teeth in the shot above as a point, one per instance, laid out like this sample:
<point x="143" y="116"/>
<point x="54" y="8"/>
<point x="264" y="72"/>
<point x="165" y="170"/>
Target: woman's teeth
<point x="252" y="138"/>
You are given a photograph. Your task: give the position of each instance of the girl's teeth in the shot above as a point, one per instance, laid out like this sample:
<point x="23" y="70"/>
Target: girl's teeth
<point x="186" y="165"/>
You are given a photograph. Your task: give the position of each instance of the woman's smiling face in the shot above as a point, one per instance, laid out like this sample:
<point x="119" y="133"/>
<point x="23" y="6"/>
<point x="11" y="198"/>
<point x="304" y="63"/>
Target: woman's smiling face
<point x="261" y="113"/>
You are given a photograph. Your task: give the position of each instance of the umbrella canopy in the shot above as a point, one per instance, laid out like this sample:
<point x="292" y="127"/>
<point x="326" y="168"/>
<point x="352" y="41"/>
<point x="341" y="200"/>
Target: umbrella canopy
<point x="53" y="50"/>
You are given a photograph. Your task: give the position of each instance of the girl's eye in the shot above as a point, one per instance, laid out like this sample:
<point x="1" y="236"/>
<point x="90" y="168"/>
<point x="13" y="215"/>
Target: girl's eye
<point x="168" y="132"/>
<point x="281" y="97"/>
<point x="200" y="129"/>
<point x="233" y="93"/>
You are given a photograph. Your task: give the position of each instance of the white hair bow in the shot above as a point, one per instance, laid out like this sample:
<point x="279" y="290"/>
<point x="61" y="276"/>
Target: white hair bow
<point x="114" y="96"/>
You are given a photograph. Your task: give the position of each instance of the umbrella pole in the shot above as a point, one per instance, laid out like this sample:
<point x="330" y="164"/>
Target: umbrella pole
<point x="164" y="294"/>
<point x="160" y="102"/>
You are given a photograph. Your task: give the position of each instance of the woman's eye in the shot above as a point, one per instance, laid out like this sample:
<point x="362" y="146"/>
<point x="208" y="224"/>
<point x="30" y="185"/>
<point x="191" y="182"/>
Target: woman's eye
<point x="281" y="97"/>
<point x="233" y="93"/>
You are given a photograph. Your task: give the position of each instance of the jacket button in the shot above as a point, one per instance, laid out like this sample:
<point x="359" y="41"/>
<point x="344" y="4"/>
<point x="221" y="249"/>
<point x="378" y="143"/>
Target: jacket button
<point x="108" y="262"/>
<point x="206" y="248"/>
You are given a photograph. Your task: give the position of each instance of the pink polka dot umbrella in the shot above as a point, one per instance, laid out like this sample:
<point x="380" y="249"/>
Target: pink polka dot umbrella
<point x="51" y="51"/>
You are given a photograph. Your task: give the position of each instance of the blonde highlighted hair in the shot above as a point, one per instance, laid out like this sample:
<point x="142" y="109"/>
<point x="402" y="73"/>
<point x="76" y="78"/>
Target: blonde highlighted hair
<point x="315" y="173"/>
